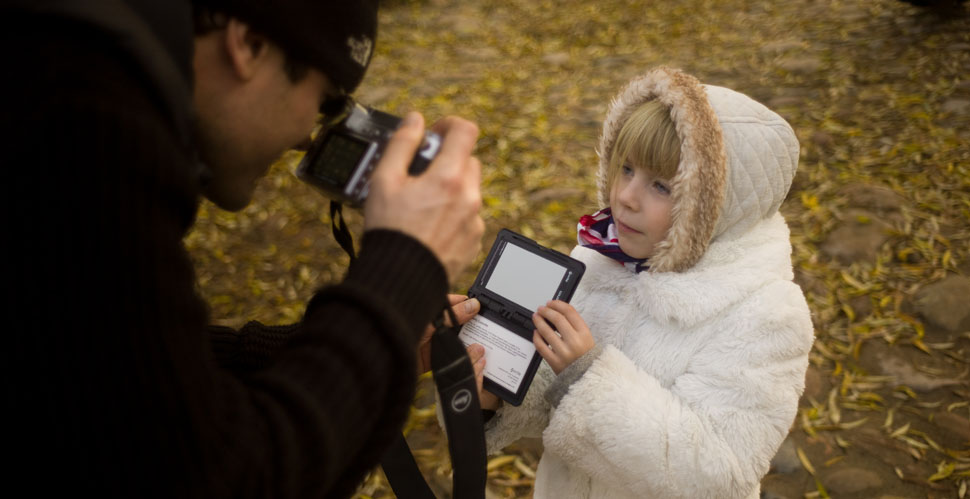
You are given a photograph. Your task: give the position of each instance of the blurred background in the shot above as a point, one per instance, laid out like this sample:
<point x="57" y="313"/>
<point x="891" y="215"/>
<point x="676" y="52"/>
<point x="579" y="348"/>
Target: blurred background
<point x="878" y="92"/>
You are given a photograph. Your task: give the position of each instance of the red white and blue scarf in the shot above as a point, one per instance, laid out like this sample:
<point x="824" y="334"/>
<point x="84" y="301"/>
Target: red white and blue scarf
<point x="598" y="232"/>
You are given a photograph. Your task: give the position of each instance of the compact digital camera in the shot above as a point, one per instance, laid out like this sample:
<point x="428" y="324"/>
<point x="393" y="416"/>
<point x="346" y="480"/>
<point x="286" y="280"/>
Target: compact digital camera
<point x="341" y="160"/>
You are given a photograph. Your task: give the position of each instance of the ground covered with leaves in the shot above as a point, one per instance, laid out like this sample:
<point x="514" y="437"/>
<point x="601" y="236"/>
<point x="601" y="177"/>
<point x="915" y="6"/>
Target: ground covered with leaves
<point x="878" y="92"/>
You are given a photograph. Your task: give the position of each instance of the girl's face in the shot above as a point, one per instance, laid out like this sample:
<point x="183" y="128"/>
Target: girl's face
<point x="641" y="205"/>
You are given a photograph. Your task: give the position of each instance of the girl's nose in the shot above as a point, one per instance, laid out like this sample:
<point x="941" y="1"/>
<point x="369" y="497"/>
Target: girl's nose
<point x="628" y="195"/>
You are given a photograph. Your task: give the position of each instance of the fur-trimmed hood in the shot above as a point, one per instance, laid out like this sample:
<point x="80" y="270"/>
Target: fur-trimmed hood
<point x="738" y="159"/>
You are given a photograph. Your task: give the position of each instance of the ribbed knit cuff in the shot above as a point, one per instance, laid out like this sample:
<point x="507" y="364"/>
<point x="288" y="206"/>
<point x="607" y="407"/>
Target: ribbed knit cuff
<point x="251" y="347"/>
<point x="560" y="386"/>
<point x="226" y="344"/>
<point x="403" y="273"/>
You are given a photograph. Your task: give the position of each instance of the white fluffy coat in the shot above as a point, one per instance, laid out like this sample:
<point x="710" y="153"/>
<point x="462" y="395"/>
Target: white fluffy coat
<point x="697" y="387"/>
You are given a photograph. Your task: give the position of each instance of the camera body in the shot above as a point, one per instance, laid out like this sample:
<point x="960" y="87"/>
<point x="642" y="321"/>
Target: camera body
<point x="341" y="160"/>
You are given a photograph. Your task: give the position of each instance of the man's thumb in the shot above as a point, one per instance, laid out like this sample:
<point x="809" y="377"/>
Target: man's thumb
<point x="402" y="147"/>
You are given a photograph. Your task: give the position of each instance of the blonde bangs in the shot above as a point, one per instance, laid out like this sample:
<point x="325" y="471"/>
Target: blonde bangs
<point x="648" y="140"/>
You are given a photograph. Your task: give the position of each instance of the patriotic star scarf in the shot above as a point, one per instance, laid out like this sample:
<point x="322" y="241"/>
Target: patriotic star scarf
<point x="598" y="232"/>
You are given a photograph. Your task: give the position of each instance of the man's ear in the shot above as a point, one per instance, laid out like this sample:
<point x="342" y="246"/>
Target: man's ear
<point x="246" y="50"/>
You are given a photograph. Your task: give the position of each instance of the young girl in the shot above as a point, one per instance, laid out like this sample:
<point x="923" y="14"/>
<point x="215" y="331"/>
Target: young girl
<point x="679" y="370"/>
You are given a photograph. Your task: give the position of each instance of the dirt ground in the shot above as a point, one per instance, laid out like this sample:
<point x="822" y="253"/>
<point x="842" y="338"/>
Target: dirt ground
<point x="878" y="92"/>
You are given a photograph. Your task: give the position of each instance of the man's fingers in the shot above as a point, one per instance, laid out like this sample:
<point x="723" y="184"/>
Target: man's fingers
<point x="402" y="147"/>
<point x="475" y="352"/>
<point x="459" y="137"/>
<point x="445" y="125"/>
<point x="464" y="308"/>
<point x="478" y="365"/>
<point x="473" y="177"/>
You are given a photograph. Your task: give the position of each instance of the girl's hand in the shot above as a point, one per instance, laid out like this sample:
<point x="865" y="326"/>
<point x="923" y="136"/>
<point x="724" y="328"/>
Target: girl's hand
<point x="568" y="342"/>
<point x="486" y="399"/>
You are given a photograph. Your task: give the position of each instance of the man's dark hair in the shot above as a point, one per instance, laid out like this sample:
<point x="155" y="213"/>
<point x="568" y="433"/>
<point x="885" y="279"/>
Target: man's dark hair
<point x="206" y="21"/>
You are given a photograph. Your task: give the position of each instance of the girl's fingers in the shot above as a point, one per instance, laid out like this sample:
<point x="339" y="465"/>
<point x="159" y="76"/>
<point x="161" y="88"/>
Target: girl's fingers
<point x="543" y="348"/>
<point x="548" y="334"/>
<point x="569" y="312"/>
<point x="557" y="319"/>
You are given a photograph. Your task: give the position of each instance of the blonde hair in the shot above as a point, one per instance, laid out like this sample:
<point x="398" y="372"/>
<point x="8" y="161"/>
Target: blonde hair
<point x="648" y="140"/>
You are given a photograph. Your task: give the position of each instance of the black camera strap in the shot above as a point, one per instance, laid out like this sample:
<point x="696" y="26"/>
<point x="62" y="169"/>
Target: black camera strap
<point x="340" y="231"/>
<point x="454" y="378"/>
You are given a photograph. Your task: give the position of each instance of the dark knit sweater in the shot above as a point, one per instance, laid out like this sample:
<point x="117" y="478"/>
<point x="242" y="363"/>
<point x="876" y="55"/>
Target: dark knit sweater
<point x="111" y="385"/>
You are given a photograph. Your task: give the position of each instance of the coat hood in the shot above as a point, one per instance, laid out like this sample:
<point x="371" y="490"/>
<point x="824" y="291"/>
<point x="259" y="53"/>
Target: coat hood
<point x="738" y="159"/>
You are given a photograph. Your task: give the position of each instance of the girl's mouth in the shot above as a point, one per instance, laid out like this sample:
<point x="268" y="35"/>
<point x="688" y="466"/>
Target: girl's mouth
<point x="625" y="228"/>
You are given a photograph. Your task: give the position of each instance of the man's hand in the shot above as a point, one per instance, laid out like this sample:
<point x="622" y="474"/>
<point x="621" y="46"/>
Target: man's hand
<point x="487" y="400"/>
<point x="440" y="208"/>
<point x="568" y="342"/>
<point x="464" y="310"/>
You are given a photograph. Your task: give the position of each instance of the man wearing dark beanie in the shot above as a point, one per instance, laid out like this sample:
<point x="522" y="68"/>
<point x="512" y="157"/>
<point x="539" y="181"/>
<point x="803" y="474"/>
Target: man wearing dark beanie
<point x="121" y="116"/>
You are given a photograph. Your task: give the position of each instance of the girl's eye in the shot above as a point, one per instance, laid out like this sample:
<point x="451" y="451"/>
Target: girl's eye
<point x="627" y="170"/>
<point x="661" y="187"/>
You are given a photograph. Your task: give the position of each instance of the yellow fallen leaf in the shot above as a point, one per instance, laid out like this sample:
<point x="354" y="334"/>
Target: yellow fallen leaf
<point x="525" y="469"/>
<point x="498" y="462"/>
<point x="943" y="470"/>
<point x="847" y="310"/>
<point x="956" y="405"/>
<point x="834" y="415"/>
<point x="854" y="424"/>
<point x="807" y="425"/>
<point x="900" y="431"/>
<point x="809" y="201"/>
<point x="852" y="281"/>
<point x="907" y="390"/>
<point x="805" y="462"/>
<point x="842" y="442"/>
<point x="914" y="443"/>
<point x="918" y="343"/>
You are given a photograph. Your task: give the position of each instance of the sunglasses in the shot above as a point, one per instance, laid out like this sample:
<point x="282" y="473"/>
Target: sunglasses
<point x="332" y="111"/>
<point x="335" y="108"/>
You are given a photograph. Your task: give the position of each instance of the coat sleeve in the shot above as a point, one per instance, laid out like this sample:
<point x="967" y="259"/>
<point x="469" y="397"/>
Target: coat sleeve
<point x="714" y="430"/>
<point x="527" y="420"/>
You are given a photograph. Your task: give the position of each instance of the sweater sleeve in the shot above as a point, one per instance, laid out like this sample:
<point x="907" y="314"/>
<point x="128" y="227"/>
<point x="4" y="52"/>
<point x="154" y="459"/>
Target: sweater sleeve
<point x="254" y="345"/>
<point x="249" y="347"/>
<point x="713" y="431"/>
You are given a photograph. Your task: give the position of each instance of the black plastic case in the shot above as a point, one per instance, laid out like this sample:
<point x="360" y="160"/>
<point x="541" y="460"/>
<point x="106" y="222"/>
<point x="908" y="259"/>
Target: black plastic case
<point x="514" y="316"/>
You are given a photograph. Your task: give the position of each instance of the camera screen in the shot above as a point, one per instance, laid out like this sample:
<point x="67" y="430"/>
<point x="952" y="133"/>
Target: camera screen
<point x="525" y="277"/>
<point x="338" y="158"/>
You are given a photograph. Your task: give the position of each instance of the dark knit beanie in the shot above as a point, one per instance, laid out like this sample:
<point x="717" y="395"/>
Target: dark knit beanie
<point x="335" y="36"/>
